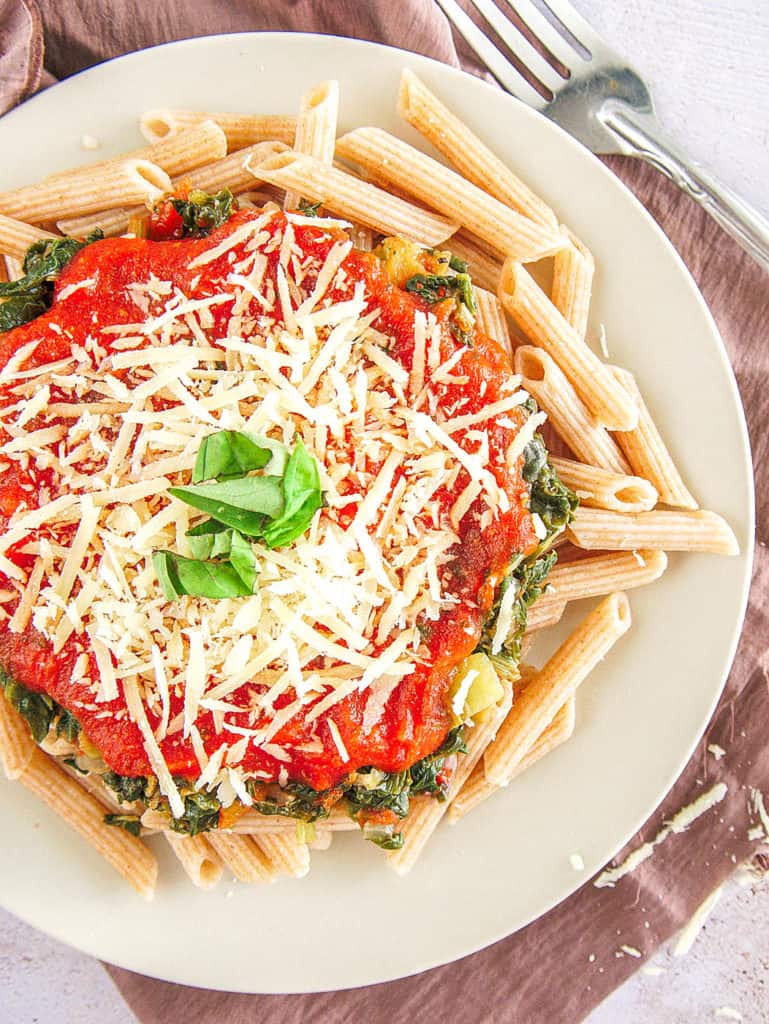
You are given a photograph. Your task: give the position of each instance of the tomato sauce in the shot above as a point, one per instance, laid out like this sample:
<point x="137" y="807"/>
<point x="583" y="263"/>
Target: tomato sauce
<point x="416" y="717"/>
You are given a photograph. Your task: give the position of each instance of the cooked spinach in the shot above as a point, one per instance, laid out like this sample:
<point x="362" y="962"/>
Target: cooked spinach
<point x="297" y="801"/>
<point x="128" y="788"/>
<point x="38" y="709"/>
<point x="435" y="288"/>
<point x="550" y="499"/>
<point x="201" y="813"/>
<point x="309" y="209"/>
<point x="25" y="299"/>
<point x="202" y="212"/>
<point x="128" y="822"/>
<point x="67" y="726"/>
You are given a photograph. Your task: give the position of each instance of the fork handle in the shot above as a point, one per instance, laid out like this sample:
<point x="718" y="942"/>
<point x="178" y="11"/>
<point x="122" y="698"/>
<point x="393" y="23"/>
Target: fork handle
<point x="642" y="138"/>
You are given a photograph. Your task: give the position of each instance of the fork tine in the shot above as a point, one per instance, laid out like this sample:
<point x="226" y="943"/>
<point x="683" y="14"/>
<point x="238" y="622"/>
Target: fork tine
<point x="546" y="32"/>
<point x="582" y="30"/>
<point x="518" y="44"/>
<point x="505" y="72"/>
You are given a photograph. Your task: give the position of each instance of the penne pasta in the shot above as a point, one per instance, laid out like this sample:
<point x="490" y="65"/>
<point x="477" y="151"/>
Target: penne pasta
<point x="573" y="269"/>
<point x="544" y="326"/>
<point x="201" y="863"/>
<point x="484" y="269"/>
<point x="316" y="129"/>
<point x="285" y="854"/>
<point x="573" y="422"/>
<point x="602" y="488"/>
<point x="350" y="197"/>
<point x="240" y="130"/>
<point x="17" y="748"/>
<point x="543" y="613"/>
<point x="554" y="684"/>
<point x="86" y="191"/>
<point x="603" y="574"/>
<point x="670" y="531"/>
<point x="253" y="823"/>
<point x="16" y="237"/>
<point x="241" y="855"/>
<point x="228" y="173"/>
<point x="395" y="162"/>
<point x="647" y="453"/>
<point x="126" y="853"/>
<point x="477" y="788"/>
<point x="462" y="147"/>
<point x="491" y="318"/>
<point x="426" y="813"/>
<point x="193" y="147"/>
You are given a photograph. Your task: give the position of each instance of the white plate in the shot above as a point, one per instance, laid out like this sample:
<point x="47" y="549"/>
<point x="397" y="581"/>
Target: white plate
<point x="351" y="921"/>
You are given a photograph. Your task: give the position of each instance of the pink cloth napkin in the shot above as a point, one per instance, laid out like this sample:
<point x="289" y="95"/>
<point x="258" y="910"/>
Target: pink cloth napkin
<point x="564" y="964"/>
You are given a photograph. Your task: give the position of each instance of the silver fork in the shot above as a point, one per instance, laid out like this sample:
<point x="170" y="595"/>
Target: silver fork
<point x="594" y="94"/>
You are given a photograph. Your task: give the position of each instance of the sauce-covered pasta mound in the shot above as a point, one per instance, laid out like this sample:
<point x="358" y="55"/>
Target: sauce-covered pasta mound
<point x="183" y="635"/>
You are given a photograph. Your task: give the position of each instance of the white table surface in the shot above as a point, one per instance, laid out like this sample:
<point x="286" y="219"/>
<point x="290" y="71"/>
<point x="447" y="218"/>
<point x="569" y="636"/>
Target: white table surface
<point x="707" y="62"/>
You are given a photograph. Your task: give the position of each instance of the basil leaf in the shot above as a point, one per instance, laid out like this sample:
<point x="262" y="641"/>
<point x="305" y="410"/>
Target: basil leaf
<point x="302" y="497"/>
<point x="179" y="576"/>
<point x="201" y="537"/>
<point x="243" y="559"/>
<point x="241" y="504"/>
<point x="226" y="454"/>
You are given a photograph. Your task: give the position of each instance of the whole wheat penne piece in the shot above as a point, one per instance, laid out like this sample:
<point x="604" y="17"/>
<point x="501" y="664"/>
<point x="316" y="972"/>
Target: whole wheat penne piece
<point x="544" y="326"/>
<point x="197" y="856"/>
<point x="602" y="488"/>
<point x="478" y="788"/>
<point x="242" y="857"/>
<point x="491" y="318"/>
<point x="350" y="197"/>
<point x="554" y="684"/>
<point x="194" y="146"/>
<point x="483" y="268"/>
<point x="598" y="576"/>
<point x="241" y="130"/>
<point x="544" y="613"/>
<point x="647" y="453"/>
<point x="95" y="785"/>
<point x="253" y="823"/>
<point x="426" y="812"/>
<point x="575" y="424"/>
<point x="285" y="854"/>
<point x="316" y="128"/>
<point x="462" y="147"/>
<point x="228" y="172"/>
<point x="16" y="744"/>
<point x="573" y="269"/>
<point x="87" y="190"/>
<point x="678" y="530"/>
<point x="126" y="853"/>
<point x="392" y="160"/>
<point x="16" y="237"/>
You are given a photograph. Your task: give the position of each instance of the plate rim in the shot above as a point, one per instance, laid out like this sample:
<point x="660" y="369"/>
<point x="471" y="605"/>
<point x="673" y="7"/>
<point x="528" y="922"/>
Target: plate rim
<point x="609" y="180"/>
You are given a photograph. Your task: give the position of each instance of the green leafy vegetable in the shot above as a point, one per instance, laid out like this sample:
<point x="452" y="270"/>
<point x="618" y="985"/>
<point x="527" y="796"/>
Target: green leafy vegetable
<point x="309" y="209"/>
<point x="67" y="726"/>
<point x="127" y="788"/>
<point x="128" y="822"/>
<point x="227" y="454"/>
<point x="435" y="288"/>
<point x="201" y="813"/>
<point x="25" y="299"/>
<point x="38" y="709"/>
<point x="383" y="836"/>
<point x="242" y="504"/>
<point x="202" y="212"/>
<point x="550" y="499"/>
<point x="197" y="578"/>
<point x="302" y="497"/>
